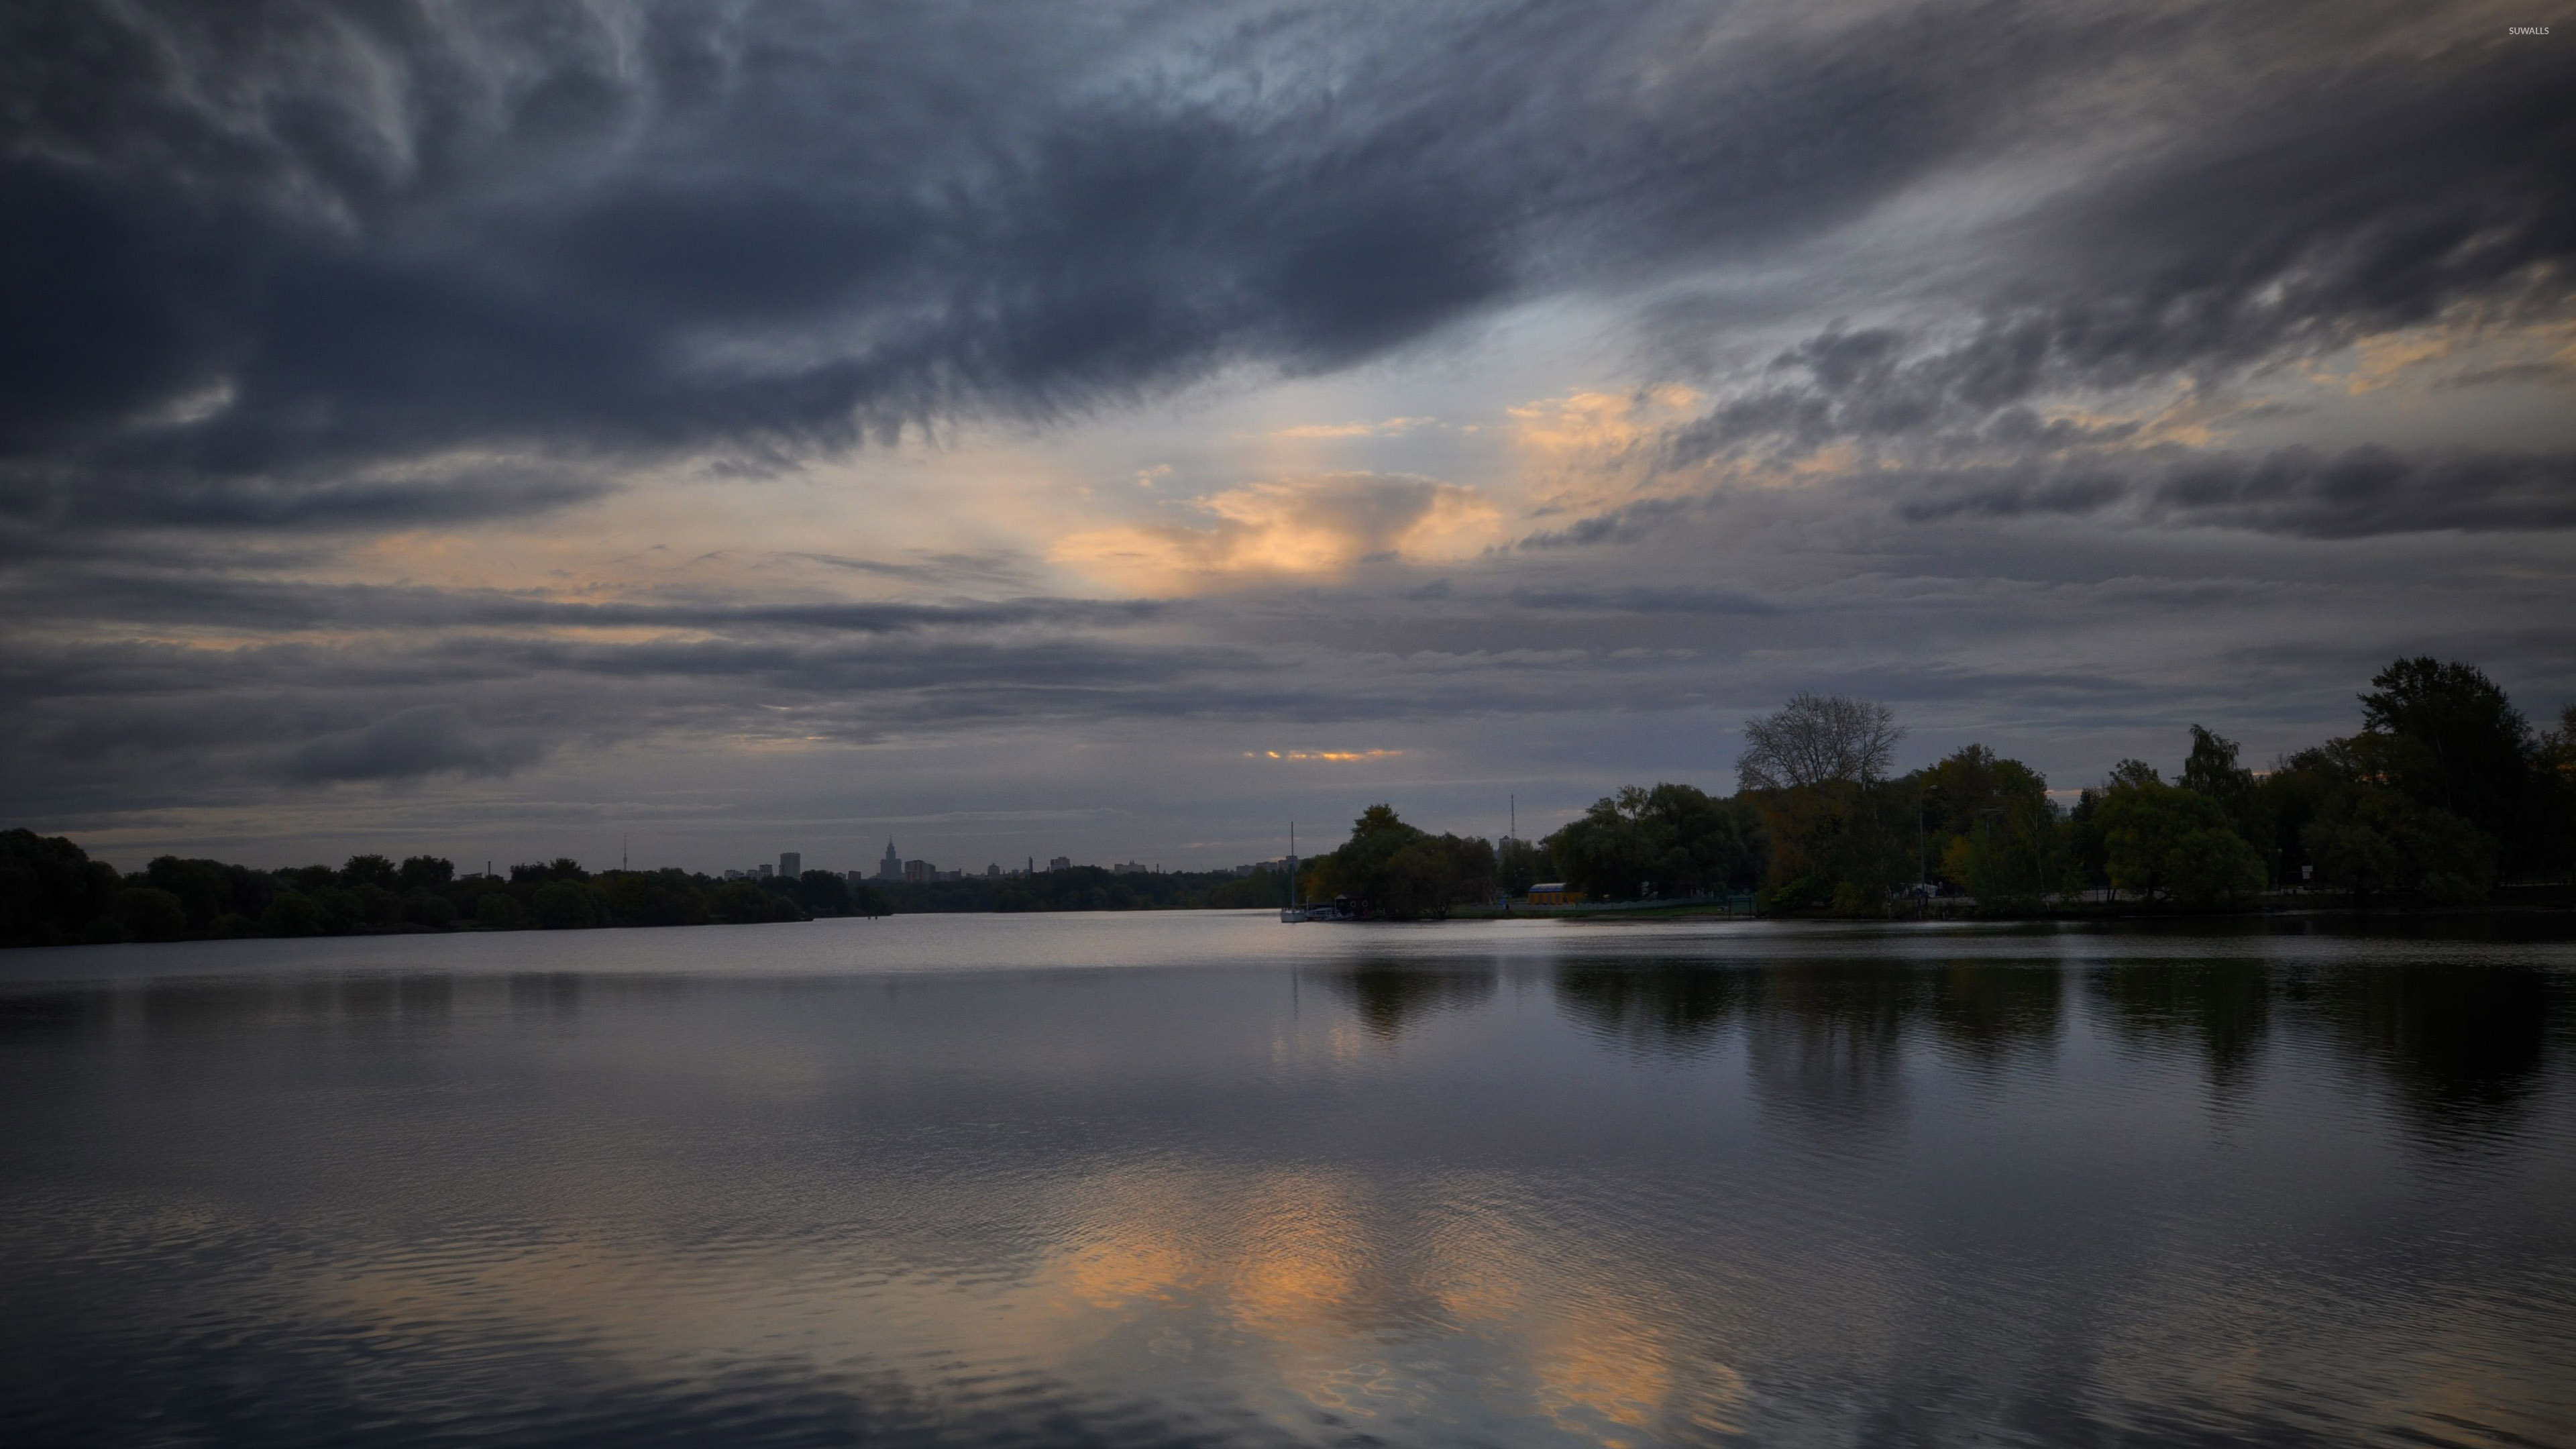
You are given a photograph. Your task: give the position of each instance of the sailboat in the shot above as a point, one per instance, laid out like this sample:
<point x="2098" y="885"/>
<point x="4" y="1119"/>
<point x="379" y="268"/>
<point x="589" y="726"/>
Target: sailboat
<point x="1293" y="912"/>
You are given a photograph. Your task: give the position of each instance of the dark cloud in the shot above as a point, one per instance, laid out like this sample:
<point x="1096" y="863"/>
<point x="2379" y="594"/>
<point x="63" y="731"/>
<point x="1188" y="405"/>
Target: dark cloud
<point x="2012" y="492"/>
<point x="1640" y="600"/>
<point x="1624" y="524"/>
<point x="366" y="266"/>
<point x="222" y="601"/>
<point x="423" y="740"/>
<point x="378" y="233"/>
<point x="2369" y="490"/>
<point x="2354" y="192"/>
<point x="2353" y="493"/>
<point x="2339" y="194"/>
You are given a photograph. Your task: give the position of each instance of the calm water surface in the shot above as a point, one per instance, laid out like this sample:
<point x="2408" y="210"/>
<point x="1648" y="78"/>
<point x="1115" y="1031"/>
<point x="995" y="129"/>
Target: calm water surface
<point x="1201" y="1179"/>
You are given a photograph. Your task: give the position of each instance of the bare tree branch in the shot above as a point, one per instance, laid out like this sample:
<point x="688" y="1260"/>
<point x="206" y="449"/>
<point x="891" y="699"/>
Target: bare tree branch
<point x="1816" y="738"/>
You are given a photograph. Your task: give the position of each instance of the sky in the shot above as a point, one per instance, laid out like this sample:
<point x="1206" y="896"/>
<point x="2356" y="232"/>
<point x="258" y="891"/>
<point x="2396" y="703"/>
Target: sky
<point x="1114" y="430"/>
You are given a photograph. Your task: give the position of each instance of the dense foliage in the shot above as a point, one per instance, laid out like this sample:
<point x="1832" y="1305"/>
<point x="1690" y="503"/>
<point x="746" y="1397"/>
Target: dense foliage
<point x="1671" y="840"/>
<point x="1395" y="871"/>
<point x="2445" y="794"/>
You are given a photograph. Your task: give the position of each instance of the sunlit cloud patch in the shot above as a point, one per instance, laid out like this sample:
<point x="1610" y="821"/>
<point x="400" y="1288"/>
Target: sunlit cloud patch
<point x="1333" y="757"/>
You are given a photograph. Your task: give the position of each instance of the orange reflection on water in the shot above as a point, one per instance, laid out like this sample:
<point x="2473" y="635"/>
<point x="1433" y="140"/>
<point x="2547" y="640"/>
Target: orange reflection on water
<point x="1602" y="1339"/>
<point x="1358" y="1315"/>
<point x="1307" y="1289"/>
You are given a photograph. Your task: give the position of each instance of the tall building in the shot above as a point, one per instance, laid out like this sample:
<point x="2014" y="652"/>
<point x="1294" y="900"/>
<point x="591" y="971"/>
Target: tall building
<point x="791" y="864"/>
<point x="764" y="872"/>
<point x="891" y="867"/>
<point x="916" y="872"/>
<point x="1060" y="863"/>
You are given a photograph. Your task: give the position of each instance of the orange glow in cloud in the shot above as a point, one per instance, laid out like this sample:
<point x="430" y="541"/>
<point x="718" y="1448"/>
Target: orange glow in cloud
<point x="1331" y="756"/>
<point x="1591" y="423"/>
<point x="1389" y="428"/>
<point x="1297" y="528"/>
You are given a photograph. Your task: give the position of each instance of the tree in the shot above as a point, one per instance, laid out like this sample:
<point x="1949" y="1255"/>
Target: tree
<point x="2166" y="843"/>
<point x="562" y="867"/>
<point x="203" y="888"/>
<point x="151" y="915"/>
<point x="2472" y="753"/>
<point x="2088" y="858"/>
<point x="742" y="903"/>
<point x="824" y="893"/>
<point x="1402" y="872"/>
<point x="1674" y="838"/>
<point x="293" y="913"/>
<point x="2371" y="840"/>
<point x="1820" y="838"/>
<point x="51" y="892"/>
<point x="653" y="898"/>
<point x="2211" y="772"/>
<point x="566" y="905"/>
<point x="2291" y="795"/>
<point x="426" y="872"/>
<point x="2212" y="866"/>
<point x="374" y="870"/>
<point x="1987" y="825"/>
<point x="1520" y="864"/>
<point x="2132" y="772"/>
<point x="1817" y="738"/>
<point x="1262" y="888"/>
<point x="377" y="906"/>
<point x="2554" y="847"/>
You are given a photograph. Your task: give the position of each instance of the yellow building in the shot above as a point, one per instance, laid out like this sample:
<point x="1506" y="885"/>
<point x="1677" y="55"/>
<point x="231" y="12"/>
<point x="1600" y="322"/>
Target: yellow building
<point x="1553" y="893"/>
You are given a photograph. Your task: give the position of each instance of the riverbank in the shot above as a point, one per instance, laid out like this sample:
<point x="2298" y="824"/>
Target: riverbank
<point x="2507" y="899"/>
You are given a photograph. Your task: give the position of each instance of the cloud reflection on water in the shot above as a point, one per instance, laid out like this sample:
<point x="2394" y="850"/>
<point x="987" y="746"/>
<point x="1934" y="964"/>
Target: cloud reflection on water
<point x="1589" y="1198"/>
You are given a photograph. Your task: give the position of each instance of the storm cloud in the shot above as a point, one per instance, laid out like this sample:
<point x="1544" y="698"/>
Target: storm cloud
<point x="2352" y="494"/>
<point x="297" y="237"/>
<point x="411" y="397"/>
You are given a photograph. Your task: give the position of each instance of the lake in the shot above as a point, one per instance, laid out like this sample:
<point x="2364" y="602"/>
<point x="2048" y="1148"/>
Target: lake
<point x="1207" y="1179"/>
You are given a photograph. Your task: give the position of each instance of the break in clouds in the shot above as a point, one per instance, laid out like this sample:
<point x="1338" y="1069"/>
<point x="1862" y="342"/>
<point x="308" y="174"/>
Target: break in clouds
<point x="509" y="425"/>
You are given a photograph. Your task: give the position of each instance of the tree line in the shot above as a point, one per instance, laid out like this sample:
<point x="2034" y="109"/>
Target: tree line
<point x="1091" y="888"/>
<point x="53" y="893"/>
<point x="2445" y="793"/>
